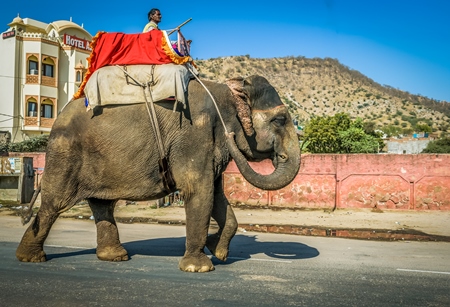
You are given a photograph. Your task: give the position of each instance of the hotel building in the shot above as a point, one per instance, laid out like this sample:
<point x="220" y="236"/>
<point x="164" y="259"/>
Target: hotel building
<point x="41" y="67"/>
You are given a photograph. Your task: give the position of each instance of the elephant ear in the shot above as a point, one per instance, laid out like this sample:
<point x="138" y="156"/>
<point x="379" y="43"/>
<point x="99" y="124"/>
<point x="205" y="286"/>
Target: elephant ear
<point x="241" y="99"/>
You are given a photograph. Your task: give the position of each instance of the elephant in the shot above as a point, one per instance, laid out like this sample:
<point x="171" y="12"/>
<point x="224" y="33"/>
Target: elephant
<point x="109" y="154"/>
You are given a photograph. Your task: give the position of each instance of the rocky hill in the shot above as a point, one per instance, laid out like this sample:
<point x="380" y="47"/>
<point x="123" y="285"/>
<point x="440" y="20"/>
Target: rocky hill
<point x="317" y="87"/>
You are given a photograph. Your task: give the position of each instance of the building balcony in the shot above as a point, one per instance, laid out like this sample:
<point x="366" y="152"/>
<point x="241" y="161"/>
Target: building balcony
<point x="47" y="81"/>
<point x="38" y="124"/>
<point x="32" y="79"/>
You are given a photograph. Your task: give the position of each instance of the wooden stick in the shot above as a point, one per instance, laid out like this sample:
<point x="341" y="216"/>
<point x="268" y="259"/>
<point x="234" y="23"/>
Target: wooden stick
<point x="178" y="28"/>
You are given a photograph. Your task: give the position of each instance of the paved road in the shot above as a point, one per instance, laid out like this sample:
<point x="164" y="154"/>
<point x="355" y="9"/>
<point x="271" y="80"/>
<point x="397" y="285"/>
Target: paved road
<point x="263" y="270"/>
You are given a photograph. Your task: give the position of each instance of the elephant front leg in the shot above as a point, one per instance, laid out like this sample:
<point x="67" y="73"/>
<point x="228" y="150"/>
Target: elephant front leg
<point x="198" y="214"/>
<point x="218" y="243"/>
<point x="109" y="247"/>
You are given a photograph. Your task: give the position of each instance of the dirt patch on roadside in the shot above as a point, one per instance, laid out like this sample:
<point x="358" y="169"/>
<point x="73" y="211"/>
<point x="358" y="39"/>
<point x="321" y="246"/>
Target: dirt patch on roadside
<point x="351" y="223"/>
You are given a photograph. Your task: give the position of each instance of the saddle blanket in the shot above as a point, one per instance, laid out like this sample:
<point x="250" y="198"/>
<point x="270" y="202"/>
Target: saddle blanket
<point x="110" y="84"/>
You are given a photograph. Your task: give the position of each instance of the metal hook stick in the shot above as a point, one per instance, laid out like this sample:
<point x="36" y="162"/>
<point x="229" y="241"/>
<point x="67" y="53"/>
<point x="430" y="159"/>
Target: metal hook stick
<point x="178" y="28"/>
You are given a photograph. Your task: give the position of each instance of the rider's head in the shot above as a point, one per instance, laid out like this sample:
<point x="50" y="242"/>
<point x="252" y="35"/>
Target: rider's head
<point x="154" y="15"/>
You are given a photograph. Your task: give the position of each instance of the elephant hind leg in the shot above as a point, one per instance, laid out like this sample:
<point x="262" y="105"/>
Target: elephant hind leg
<point x="218" y="243"/>
<point x="109" y="247"/>
<point x="31" y="247"/>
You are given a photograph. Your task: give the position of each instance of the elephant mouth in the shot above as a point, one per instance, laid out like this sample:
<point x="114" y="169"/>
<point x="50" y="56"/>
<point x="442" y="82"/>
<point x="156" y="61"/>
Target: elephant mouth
<point x="285" y="168"/>
<point x="279" y="159"/>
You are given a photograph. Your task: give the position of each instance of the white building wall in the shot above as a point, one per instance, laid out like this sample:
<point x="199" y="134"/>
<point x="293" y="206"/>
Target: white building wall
<point x="75" y="59"/>
<point x="9" y="83"/>
<point x="31" y="46"/>
<point x="66" y="70"/>
<point x="50" y="50"/>
<point x="407" y="147"/>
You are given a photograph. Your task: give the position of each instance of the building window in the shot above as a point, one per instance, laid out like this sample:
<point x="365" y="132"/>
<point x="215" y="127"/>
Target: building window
<point x="32" y="109"/>
<point x="80" y="72"/>
<point x="47" y="111"/>
<point x="47" y="70"/>
<point x="48" y="67"/>
<point x="33" y="66"/>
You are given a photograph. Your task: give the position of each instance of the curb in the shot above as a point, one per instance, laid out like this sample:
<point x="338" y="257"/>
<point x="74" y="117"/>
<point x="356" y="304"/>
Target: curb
<point x="348" y="233"/>
<point x="314" y="231"/>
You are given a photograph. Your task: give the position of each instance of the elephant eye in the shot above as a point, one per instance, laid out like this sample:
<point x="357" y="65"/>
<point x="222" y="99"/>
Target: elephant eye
<point x="279" y="121"/>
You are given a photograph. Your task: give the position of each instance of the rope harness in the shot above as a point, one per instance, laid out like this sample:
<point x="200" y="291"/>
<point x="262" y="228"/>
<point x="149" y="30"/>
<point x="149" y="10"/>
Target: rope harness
<point x="164" y="167"/>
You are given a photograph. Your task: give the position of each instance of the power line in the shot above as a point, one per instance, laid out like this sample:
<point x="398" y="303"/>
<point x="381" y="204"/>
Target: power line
<point x="22" y="78"/>
<point x="10" y="127"/>
<point x="5" y="120"/>
<point x="10" y="115"/>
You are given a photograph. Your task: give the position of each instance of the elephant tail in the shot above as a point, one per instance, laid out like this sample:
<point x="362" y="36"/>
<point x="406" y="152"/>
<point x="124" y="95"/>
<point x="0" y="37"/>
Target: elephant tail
<point x="26" y="216"/>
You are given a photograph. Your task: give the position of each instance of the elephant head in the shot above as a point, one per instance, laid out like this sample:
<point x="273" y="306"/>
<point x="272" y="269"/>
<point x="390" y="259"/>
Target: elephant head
<point x="269" y="131"/>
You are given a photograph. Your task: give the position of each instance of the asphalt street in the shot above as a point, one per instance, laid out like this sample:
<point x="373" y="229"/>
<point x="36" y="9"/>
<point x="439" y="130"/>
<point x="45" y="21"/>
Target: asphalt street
<point x="262" y="270"/>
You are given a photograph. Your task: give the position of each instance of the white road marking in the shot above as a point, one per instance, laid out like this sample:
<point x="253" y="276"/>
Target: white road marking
<point x="72" y="247"/>
<point x="422" y="271"/>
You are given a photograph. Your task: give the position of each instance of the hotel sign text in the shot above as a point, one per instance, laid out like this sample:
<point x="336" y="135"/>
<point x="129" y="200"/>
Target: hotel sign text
<point x="9" y="34"/>
<point x="76" y="42"/>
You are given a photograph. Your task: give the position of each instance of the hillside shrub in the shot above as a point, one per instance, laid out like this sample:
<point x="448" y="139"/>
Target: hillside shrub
<point x="438" y="146"/>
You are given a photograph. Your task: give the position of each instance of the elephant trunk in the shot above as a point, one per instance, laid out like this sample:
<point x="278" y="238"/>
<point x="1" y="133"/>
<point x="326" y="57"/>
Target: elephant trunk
<point x="285" y="171"/>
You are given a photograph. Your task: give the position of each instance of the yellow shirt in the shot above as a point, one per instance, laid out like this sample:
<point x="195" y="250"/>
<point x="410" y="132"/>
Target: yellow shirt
<point x="150" y="26"/>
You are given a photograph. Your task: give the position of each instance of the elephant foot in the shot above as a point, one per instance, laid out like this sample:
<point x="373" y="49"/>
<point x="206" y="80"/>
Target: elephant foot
<point x="217" y="249"/>
<point x="116" y="253"/>
<point x="25" y="254"/>
<point x="193" y="264"/>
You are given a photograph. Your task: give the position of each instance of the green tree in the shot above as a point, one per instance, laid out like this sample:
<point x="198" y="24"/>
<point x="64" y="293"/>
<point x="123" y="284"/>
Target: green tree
<point x="423" y="128"/>
<point x="339" y="134"/>
<point x="369" y="127"/>
<point x="438" y="146"/>
<point x="321" y="135"/>
<point x="355" y="140"/>
<point x="391" y="130"/>
<point x="407" y="131"/>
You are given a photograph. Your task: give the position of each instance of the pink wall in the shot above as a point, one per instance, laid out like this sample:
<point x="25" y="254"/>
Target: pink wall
<point x="38" y="163"/>
<point x="391" y="181"/>
<point x="407" y="182"/>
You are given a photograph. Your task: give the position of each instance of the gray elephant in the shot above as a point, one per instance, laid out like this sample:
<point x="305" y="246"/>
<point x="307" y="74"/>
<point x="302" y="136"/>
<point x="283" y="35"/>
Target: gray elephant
<point x="110" y="154"/>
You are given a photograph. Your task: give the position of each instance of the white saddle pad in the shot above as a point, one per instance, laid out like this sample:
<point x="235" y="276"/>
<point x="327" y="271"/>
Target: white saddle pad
<point x="108" y="85"/>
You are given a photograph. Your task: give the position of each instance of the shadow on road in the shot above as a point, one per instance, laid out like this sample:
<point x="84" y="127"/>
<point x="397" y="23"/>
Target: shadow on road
<point x="242" y="248"/>
<point x="71" y="254"/>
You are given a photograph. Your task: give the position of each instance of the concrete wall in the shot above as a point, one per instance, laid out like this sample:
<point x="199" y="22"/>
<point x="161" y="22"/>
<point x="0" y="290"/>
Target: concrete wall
<point x="414" y="146"/>
<point x="406" y="182"/>
<point x="386" y="182"/>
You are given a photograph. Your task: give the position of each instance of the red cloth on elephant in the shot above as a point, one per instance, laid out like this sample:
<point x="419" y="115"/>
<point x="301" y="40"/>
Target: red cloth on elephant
<point x="129" y="49"/>
<point x="125" y="49"/>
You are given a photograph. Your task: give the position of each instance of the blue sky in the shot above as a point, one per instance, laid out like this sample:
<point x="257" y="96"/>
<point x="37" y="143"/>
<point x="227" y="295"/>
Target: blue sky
<point x="401" y="43"/>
